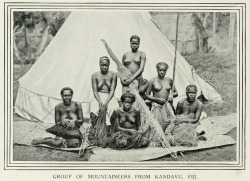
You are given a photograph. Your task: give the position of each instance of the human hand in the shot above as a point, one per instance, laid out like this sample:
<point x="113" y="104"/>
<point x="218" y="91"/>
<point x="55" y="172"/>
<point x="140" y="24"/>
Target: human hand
<point x="105" y="104"/>
<point x="170" y="97"/>
<point x="128" y="81"/>
<point x="174" y="121"/>
<point x="71" y="123"/>
<point x="100" y="104"/>
<point x="161" y="101"/>
<point x="65" y="122"/>
<point x="132" y="131"/>
<point x="68" y="123"/>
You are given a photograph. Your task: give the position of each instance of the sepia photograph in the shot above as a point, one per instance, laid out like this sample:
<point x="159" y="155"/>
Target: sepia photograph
<point x="124" y="85"/>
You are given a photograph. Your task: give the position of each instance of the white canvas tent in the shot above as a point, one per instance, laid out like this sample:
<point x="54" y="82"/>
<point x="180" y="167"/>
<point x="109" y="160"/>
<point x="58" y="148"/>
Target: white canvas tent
<point x="73" y="55"/>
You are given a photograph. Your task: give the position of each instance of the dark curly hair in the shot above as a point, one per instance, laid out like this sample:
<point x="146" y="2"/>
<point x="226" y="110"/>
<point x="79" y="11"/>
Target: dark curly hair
<point x="127" y="95"/>
<point x="67" y="88"/>
<point x="135" y="37"/>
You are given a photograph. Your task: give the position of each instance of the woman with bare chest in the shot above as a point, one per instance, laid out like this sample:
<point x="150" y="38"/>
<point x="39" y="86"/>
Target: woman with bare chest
<point x="161" y="87"/>
<point x="126" y="131"/>
<point x="135" y="61"/>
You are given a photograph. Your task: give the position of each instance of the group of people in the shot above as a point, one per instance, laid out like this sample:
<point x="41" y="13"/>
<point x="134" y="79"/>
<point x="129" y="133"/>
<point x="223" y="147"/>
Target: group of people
<point x="123" y="120"/>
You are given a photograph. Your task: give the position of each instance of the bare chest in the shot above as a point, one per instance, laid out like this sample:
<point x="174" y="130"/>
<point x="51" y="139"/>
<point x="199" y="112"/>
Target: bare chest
<point x="190" y="108"/>
<point x="132" y="59"/>
<point x="161" y="85"/>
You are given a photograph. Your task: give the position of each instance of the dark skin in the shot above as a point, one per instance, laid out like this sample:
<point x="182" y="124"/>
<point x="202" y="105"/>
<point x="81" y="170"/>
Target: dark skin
<point x="189" y="106"/>
<point x="161" y="87"/>
<point x="134" y="60"/>
<point x="104" y="81"/>
<point x="69" y="111"/>
<point x="70" y="114"/>
<point x="128" y="118"/>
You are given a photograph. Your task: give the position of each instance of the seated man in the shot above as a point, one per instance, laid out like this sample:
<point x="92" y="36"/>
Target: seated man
<point x="126" y="131"/>
<point x="188" y="114"/>
<point x="161" y="87"/>
<point x="189" y="109"/>
<point x="68" y="113"/>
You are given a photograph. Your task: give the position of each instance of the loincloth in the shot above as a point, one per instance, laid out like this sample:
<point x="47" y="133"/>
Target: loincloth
<point x="113" y="104"/>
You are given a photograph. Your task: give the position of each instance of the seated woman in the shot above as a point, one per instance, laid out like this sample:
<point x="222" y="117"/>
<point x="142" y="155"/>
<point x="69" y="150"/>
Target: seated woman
<point x="126" y="131"/>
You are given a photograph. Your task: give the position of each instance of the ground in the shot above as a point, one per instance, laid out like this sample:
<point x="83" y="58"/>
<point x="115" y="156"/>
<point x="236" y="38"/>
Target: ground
<point x="219" y="69"/>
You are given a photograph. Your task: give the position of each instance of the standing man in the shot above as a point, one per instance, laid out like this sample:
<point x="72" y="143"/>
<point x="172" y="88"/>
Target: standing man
<point x="161" y="87"/>
<point x="135" y="61"/>
<point x="68" y="113"/>
<point x="103" y="84"/>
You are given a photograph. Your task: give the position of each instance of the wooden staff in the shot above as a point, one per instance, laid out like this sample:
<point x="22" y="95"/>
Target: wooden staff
<point x="175" y="54"/>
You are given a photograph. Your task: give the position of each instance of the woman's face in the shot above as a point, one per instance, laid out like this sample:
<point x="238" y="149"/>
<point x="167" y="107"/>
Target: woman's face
<point x="127" y="104"/>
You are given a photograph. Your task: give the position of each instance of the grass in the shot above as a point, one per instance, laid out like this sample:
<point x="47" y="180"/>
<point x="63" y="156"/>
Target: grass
<point x="220" y="70"/>
<point x="217" y="68"/>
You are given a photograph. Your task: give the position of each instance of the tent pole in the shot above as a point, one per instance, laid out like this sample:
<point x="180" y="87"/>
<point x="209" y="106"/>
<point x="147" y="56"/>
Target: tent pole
<point x="175" y="53"/>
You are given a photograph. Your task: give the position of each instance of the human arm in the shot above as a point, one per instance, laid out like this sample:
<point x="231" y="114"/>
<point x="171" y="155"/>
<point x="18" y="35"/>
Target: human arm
<point x="187" y="119"/>
<point x="138" y="121"/>
<point x="173" y="91"/>
<point x="57" y="115"/>
<point x="112" y="89"/>
<point x="123" y="59"/>
<point x="80" y="119"/>
<point x="151" y="98"/>
<point x="118" y="125"/>
<point x="94" y="88"/>
<point x="178" y="110"/>
<point x="139" y="71"/>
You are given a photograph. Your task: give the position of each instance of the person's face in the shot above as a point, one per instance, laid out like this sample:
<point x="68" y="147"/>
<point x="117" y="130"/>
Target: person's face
<point x="67" y="97"/>
<point x="127" y="104"/>
<point x="162" y="70"/>
<point x="134" y="44"/>
<point x="104" y="66"/>
<point x="191" y="94"/>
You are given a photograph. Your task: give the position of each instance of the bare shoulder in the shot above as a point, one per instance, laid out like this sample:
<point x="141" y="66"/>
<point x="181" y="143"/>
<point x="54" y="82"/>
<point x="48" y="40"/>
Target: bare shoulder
<point x="96" y="73"/>
<point x="58" y="106"/>
<point x="152" y="80"/>
<point x="112" y="73"/>
<point x="169" y="79"/>
<point x="182" y="101"/>
<point x="78" y="104"/>
<point x="126" y="54"/>
<point x="117" y="110"/>
<point x="142" y="53"/>
<point x="199" y="103"/>
<point x="136" y="110"/>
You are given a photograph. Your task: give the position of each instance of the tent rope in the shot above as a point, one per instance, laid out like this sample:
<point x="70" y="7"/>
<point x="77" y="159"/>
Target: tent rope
<point x="25" y="101"/>
<point x="25" y="134"/>
<point x="40" y="121"/>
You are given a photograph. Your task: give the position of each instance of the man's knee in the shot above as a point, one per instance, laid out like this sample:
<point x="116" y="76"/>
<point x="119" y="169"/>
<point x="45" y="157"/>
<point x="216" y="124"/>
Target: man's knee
<point x="54" y="142"/>
<point x="73" y="143"/>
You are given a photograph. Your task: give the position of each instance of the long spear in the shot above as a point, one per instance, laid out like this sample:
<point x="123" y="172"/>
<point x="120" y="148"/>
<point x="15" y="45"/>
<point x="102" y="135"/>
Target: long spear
<point x="175" y="54"/>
